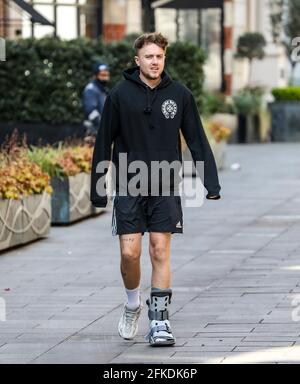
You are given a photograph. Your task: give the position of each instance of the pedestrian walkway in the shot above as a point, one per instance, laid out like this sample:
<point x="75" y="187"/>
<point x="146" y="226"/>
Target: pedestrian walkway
<point x="236" y="279"/>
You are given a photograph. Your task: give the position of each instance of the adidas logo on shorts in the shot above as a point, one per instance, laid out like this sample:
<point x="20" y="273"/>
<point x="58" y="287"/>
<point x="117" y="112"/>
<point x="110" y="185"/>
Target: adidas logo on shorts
<point x="178" y="225"/>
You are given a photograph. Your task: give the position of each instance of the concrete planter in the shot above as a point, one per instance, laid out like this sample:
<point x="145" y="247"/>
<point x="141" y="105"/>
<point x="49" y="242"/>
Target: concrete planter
<point x="285" y="121"/>
<point x="219" y="150"/>
<point x="71" y="199"/>
<point x="22" y="221"/>
<point x="229" y="121"/>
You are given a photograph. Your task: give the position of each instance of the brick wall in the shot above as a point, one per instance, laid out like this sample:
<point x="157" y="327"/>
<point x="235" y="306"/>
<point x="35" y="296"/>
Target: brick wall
<point x="2" y="16"/>
<point x="113" y="32"/>
<point x="228" y="45"/>
<point x="114" y="20"/>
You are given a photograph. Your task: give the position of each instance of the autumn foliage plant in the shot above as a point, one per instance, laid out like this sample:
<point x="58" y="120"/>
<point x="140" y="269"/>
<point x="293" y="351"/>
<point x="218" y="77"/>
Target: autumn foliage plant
<point x="28" y="171"/>
<point x="63" y="161"/>
<point x="19" y="176"/>
<point x="219" y="132"/>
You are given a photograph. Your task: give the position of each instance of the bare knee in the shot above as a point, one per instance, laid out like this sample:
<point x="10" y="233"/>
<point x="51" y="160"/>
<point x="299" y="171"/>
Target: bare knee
<point x="130" y="256"/>
<point x="159" y="254"/>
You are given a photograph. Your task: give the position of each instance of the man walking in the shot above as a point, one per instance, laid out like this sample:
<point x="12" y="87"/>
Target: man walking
<point x="94" y="96"/>
<point x="142" y="117"/>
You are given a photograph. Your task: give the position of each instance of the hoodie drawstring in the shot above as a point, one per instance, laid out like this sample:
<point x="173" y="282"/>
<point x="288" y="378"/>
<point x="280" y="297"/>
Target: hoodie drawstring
<point x="148" y="108"/>
<point x="150" y="102"/>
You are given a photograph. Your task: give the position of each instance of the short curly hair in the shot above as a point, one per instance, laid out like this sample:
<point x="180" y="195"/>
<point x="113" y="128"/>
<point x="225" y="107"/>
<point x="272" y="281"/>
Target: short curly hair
<point x="150" y="38"/>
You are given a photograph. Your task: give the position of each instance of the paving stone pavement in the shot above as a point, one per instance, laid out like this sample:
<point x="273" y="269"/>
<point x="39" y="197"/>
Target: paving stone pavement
<point x="236" y="279"/>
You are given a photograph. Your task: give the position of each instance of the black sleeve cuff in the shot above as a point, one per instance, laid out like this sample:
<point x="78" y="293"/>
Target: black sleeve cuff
<point x="210" y="194"/>
<point x="100" y="202"/>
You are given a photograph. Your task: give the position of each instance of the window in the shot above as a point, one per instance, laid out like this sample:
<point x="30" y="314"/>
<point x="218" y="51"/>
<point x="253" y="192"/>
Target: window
<point x="199" y="27"/>
<point x="73" y="18"/>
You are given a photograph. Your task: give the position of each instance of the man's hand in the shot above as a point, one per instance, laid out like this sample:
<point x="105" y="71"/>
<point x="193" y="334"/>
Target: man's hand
<point x="101" y="202"/>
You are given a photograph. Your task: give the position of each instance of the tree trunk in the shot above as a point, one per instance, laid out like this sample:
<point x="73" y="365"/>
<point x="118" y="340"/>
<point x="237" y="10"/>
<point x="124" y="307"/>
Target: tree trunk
<point x="250" y="72"/>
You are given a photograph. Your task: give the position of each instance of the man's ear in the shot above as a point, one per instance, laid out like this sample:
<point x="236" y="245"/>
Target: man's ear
<point x="137" y="60"/>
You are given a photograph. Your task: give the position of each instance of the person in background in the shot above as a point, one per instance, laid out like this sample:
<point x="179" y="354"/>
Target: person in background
<point x="94" y="96"/>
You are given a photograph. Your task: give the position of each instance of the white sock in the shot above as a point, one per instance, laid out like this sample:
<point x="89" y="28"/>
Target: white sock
<point x="133" y="298"/>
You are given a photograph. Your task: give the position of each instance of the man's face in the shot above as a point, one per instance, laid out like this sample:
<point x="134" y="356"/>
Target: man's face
<point x="103" y="76"/>
<point x="151" y="60"/>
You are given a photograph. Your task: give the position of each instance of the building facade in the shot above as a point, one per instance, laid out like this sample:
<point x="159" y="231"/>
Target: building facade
<point x="2" y="18"/>
<point x="216" y="30"/>
<point x="112" y="19"/>
<point x="11" y="20"/>
<point x="206" y="28"/>
<point x="273" y="70"/>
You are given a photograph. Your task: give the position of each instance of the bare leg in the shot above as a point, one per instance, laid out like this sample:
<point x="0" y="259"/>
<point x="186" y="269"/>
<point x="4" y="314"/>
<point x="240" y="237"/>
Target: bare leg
<point x="159" y="249"/>
<point x="160" y="332"/>
<point x="130" y="247"/>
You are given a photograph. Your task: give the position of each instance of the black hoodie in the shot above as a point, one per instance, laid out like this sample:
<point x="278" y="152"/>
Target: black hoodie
<point x="144" y="123"/>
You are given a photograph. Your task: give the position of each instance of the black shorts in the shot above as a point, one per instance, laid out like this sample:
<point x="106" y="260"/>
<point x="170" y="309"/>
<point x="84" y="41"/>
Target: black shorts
<point x="140" y="214"/>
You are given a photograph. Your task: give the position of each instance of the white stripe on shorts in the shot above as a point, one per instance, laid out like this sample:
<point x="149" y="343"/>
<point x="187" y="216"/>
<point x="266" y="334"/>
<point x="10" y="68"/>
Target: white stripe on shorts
<point x="114" y="219"/>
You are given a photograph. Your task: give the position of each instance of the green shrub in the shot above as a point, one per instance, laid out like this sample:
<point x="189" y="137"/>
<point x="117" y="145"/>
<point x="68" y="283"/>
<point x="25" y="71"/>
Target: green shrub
<point x="185" y="63"/>
<point x="64" y="160"/>
<point x="251" y="45"/>
<point x="215" y="103"/>
<point x="248" y="101"/>
<point x="43" y="80"/>
<point x="45" y="157"/>
<point x="287" y="94"/>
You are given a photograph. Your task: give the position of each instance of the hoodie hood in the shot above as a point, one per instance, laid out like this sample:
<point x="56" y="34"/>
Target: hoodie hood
<point x="132" y="74"/>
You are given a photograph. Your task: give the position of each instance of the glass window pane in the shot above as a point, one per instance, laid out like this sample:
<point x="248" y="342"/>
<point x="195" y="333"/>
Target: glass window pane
<point x="44" y="30"/>
<point x="88" y="2"/>
<point x="66" y="2"/>
<point x="42" y="1"/>
<point x="188" y="26"/>
<point x="88" y="19"/>
<point x="46" y="10"/>
<point x="165" y="22"/>
<point x="211" y="43"/>
<point x="67" y="22"/>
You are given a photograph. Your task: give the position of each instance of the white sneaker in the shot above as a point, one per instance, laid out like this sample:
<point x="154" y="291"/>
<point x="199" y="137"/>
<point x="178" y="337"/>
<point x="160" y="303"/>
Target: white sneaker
<point x="128" y="324"/>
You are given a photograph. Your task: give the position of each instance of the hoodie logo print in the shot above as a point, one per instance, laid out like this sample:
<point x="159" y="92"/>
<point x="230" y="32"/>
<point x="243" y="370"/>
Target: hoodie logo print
<point x="169" y="109"/>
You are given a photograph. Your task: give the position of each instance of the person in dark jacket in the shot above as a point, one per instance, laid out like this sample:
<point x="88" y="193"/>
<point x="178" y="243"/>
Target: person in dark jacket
<point x="94" y="96"/>
<point x="142" y="118"/>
